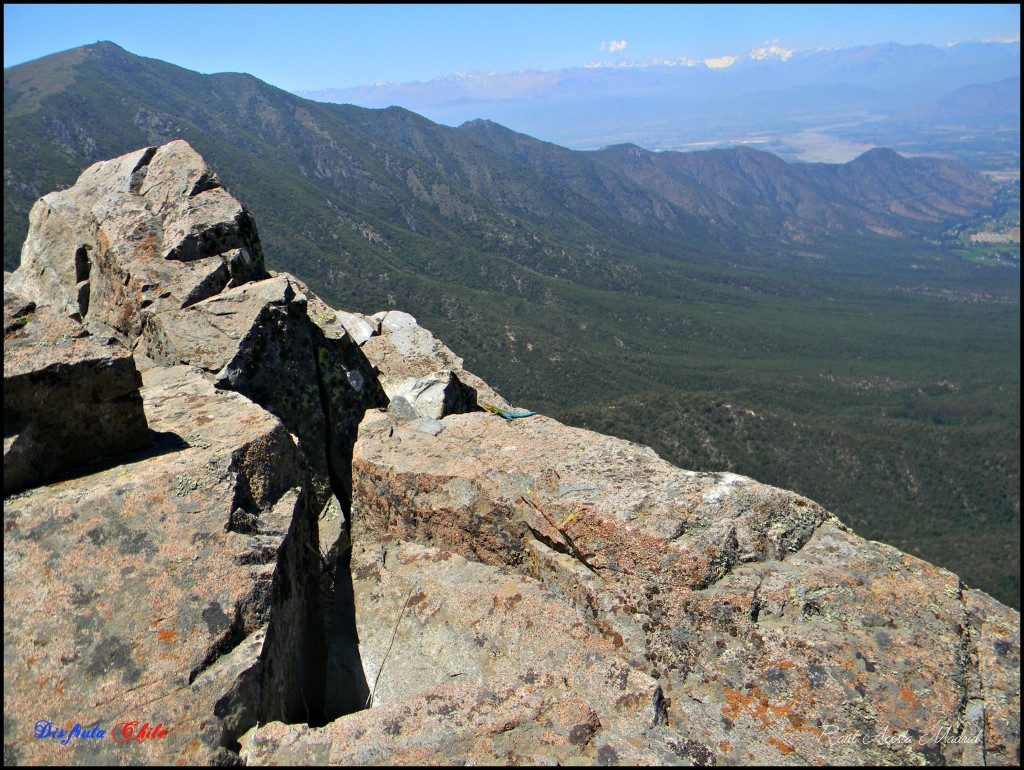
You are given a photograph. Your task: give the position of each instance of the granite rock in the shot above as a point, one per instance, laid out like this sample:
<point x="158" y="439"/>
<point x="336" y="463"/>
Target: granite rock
<point x="152" y="230"/>
<point x="258" y="339"/>
<point x="460" y="659"/>
<point x="127" y="589"/>
<point x="411" y="361"/>
<point x="251" y="610"/>
<point x="774" y="632"/>
<point x="69" y="398"/>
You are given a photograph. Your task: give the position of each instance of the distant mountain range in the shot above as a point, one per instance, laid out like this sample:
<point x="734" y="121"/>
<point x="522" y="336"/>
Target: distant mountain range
<point x="65" y="111"/>
<point x="994" y="103"/>
<point x="763" y="97"/>
<point x="594" y="286"/>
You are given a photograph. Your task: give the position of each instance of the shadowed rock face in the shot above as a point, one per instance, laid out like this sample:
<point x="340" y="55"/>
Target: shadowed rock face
<point x="325" y="551"/>
<point x="69" y="398"/>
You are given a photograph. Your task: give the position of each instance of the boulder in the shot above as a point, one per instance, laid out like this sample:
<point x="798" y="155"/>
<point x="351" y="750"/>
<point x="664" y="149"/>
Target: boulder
<point x="152" y="230"/>
<point x="69" y="398"/>
<point x="422" y="371"/>
<point x="431" y="397"/>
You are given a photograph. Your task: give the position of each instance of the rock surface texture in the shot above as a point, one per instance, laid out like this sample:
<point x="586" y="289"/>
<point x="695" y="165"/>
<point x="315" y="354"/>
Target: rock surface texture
<point x="288" y="534"/>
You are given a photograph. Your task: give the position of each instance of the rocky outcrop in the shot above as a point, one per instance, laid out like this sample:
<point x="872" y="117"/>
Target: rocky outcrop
<point x="151" y="230"/>
<point x="773" y="632"/>
<point x="191" y="572"/>
<point x="312" y="545"/>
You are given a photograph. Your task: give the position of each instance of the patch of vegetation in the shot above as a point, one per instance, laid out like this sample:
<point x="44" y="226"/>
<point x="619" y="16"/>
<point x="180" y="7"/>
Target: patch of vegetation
<point x="992" y="237"/>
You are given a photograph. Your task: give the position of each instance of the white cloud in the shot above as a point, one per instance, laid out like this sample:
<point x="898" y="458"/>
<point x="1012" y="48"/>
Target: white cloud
<point x="1003" y="39"/>
<point x="613" y="46"/>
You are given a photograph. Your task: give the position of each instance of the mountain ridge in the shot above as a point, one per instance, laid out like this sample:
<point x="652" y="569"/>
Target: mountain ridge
<point x="216" y="83"/>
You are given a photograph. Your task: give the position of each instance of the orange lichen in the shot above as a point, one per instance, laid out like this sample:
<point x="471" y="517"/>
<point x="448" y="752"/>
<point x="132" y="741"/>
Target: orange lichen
<point x="756" y="705"/>
<point x="782" y="746"/>
<point x="167" y="636"/>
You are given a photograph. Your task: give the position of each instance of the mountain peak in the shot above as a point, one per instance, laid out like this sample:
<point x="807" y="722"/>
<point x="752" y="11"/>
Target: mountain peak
<point x="106" y="45"/>
<point x="878" y="156"/>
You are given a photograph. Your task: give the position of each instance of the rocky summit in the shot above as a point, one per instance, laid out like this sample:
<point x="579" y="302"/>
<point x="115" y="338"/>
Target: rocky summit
<point x="242" y="526"/>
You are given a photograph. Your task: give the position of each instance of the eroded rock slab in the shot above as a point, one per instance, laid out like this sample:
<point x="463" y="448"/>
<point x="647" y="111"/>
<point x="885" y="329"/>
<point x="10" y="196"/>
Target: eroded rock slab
<point x="774" y="632"/>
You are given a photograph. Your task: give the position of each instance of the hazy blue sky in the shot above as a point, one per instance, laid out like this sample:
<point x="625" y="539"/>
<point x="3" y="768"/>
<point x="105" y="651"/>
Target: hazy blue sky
<point x="315" y="46"/>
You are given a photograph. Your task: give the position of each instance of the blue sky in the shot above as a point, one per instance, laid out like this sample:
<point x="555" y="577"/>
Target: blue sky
<point x="299" y="47"/>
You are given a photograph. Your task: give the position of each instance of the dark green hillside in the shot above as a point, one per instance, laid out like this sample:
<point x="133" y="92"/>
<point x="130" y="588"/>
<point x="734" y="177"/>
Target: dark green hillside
<point x="632" y="292"/>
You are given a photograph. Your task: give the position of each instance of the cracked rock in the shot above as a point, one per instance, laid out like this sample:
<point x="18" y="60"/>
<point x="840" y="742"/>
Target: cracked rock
<point x="743" y="601"/>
